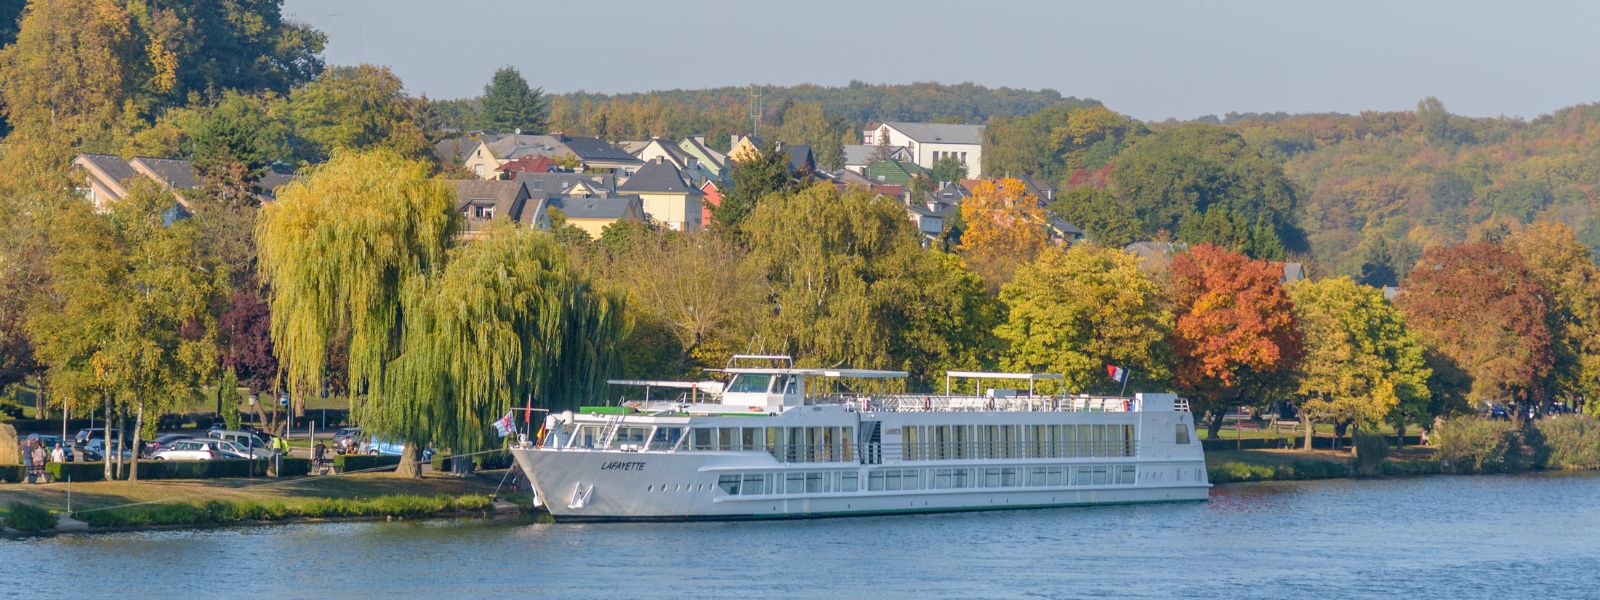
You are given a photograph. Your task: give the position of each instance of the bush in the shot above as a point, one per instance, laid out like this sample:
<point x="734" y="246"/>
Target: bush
<point x="291" y="467"/>
<point x="78" y="471"/>
<point x="11" y="473"/>
<point x="1371" y="450"/>
<point x="1570" y="442"/>
<point x="28" y="518"/>
<point x="200" y="469"/>
<point x="494" y="460"/>
<point x="345" y="463"/>
<point x="1472" y="444"/>
<point x="1231" y="472"/>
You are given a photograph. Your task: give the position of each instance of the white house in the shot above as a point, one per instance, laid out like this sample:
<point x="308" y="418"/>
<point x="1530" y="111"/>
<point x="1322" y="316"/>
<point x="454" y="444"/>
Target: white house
<point x="929" y="142"/>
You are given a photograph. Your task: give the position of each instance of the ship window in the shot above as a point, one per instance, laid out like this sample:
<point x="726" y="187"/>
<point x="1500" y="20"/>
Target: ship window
<point x="750" y="438"/>
<point x="814" y="483"/>
<point x="991" y="477"/>
<point x="911" y="479"/>
<point x="665" y="438"/>
<point x="703" y="439"/>
<point x="752" y="383"/>
<point x="754" y="485"/>
<point x="1052" y="476"/>
<point x="1181" y="436"/>
<point x="725" y="438"/>
<point x="848" y="482"/>
<point x="729" y="484"/>
<point x="891" y="480"/>
<point x="875" y="481"/>
<point x="1081" y="475"/>
<point x="1008" y="476"/>
<point x="794" y="483"/>
<point x="1100" y="476"/>
<point x="1129" y="475"/>
<point x="1036" y="476"/>
<point x="781" y="382"/>
<point x="941" y="479"/>
<point x="961" y="478"/>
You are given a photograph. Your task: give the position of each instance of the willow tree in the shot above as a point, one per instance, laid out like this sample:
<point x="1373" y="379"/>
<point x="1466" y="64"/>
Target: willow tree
<point x="339" y="249"/>
<point x="509" y="322"/>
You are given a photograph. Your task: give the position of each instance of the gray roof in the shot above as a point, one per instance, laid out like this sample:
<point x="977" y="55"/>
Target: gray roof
<point x="857" y="154"/>
<point x="800" y="158"/>
<point x="585" y="148"/>
<point x="114" y="166"/>
<point x="611" y="207"/>
<point x="941" y="133"/>
<point x="505" y="196"/>
<point x="588" y="148"/>
<point x="546" y="184"/>
<point x="656" y="176"/>
<point x="174" y="172"/>
<point x="456" y="150"/>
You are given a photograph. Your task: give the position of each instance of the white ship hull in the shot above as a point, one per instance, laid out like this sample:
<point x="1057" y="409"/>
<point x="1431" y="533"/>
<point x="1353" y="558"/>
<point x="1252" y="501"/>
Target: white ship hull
<point x="662" y="486"/>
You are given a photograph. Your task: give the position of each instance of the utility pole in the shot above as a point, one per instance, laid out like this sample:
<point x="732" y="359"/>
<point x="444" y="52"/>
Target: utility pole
<point x="755" y="110"/>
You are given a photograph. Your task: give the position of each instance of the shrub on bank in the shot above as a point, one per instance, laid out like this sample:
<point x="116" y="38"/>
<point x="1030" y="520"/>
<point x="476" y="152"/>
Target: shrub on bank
<point x="1570" y="442"/>
<point x="28" y="518"/>
<point x="1472" y="444"/>
<point x="1234" y="472"/>
<point x="12" y="473"/>
<point x="1371" y="451"/>
<point x="1406" y="468"/>
<point x="218" y="512"/>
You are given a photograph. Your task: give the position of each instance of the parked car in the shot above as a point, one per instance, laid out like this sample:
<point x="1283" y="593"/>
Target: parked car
<point x="51" y="441"/>
<point x="380" y="447"/>
<point x="96" y="450"/>
<point x="86" y="434"/>
<point x="347" y="435"/>
<point x="233" y="450"/>
<point x="161" y="441"/>
<point x="188" y="449"/>
<point x="244" y="439"/>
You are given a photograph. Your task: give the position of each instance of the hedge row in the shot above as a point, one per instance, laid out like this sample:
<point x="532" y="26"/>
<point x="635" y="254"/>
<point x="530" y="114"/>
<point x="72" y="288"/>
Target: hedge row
<point x="161" y="469"/>
<point x="1231" y="472"/>
<point x="221" y="512"/>
<point x="291" y="467"/>
<point x="345" y="463"/>
<point x="12" y="473"/>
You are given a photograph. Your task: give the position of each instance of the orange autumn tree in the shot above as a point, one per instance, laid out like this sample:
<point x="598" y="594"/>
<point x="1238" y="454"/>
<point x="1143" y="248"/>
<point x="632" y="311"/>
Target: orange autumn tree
<point x="1235" y="338"/>
<point x="1005" y="228"/>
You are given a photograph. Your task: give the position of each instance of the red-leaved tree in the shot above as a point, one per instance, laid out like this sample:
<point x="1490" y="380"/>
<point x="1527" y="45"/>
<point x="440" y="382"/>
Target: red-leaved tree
<point x="1235" y="337"/>
<point x="1479" y="306"/>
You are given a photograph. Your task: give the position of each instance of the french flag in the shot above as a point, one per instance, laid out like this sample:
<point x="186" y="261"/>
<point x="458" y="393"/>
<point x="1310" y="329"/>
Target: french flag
<point x="1118" y="374"/>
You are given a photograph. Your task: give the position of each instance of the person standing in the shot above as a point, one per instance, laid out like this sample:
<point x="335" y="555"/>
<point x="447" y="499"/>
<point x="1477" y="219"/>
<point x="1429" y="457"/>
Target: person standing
<point x="39" y="458"/>
<point x="59" y="453"/>
<point x="27" y="460"/>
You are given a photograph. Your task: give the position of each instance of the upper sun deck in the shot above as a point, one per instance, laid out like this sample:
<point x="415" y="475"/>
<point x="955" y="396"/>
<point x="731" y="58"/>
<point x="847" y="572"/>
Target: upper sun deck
<point x="764" y="391"/>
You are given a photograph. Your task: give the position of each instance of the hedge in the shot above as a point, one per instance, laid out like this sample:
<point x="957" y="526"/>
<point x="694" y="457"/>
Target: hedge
<point x="291" y="467"/>
<point x="345" y="463"/>
<point x="161" y="469"/>
<point x="221" y="512"/>
<point x="79" y="471"/>
<point x="11" y="473"/>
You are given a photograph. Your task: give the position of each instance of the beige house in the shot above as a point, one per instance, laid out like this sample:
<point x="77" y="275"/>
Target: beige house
<point x="106" y="177"/>
<point x="592" y="215"/>
<point x="667" y="197"/>
<point x="591" y="154"/>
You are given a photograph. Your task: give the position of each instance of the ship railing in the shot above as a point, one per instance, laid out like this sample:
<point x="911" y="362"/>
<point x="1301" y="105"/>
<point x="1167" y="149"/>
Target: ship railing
<point x="936" y="403"/>
<point x="935" y="451"/>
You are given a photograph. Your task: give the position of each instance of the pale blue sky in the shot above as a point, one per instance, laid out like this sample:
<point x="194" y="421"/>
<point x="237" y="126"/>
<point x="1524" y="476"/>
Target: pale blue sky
<point x="1150" y="59"/>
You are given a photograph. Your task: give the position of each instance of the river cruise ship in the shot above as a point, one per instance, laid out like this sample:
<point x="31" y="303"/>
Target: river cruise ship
<point x="783" y="442"/>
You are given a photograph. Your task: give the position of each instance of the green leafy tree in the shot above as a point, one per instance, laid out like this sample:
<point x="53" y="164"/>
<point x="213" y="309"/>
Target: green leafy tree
<point x="805" y="123"/>
<point x="339" y="250"/>
<point x="851" y="284"/>
<point x="1362" y="364"/>
<point x="128" y="320"/>
<point x="949" y="170"/>
<point x="1186" y="172"/>
<point x="1075" y="311"/>
<point x="74" y="69"/>
<point x="241" y="135"/>
<point x="1103" y="218"/>
<point x="1057" y="141"/>
<point x="665" y="278"/>
<point x="509" y="104"/>
<point x="755" y="179"/>
<point x="356" y="108"/>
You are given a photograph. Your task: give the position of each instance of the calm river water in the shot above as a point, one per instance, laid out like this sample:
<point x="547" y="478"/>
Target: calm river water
<point x="1435" y="537"/>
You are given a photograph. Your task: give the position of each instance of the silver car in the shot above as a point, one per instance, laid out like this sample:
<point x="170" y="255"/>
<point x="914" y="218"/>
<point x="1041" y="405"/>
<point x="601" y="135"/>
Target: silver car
<point x="188" y="449"/>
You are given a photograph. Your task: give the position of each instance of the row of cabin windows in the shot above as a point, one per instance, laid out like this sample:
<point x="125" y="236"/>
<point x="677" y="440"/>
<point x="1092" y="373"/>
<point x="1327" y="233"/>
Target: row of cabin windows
<point x="895" y="480"/>
<point x="788" y="444"/>
<point x="634" y="437"/>
<point x="964" y="442"/>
